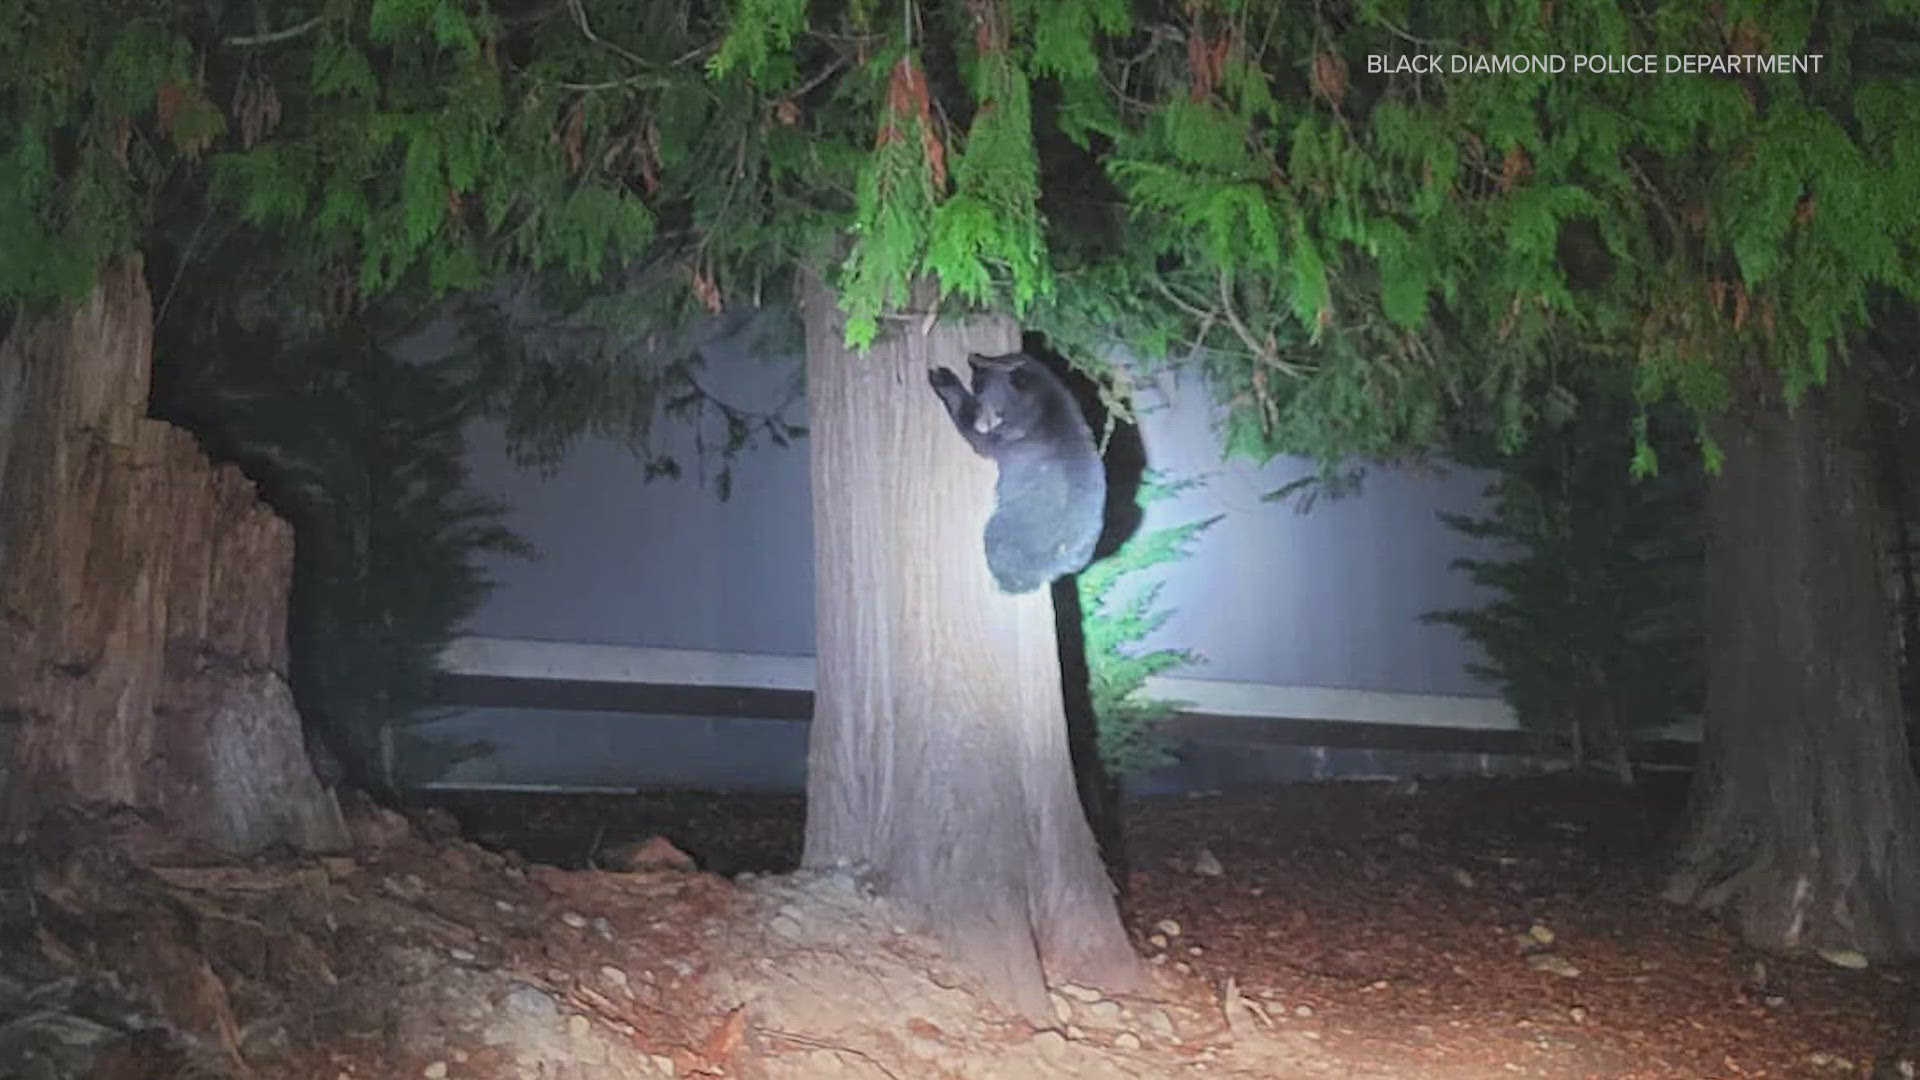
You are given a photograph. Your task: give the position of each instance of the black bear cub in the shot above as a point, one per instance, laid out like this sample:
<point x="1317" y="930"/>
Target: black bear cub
<point x="1052" y="488"/>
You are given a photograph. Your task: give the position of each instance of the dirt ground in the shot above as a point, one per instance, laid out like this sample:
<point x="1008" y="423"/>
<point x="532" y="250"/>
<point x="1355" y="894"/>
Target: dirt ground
<point x="1456" y="930"/>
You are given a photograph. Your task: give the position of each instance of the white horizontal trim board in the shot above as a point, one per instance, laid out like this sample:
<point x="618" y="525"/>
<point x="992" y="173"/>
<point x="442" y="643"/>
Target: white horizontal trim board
<point x="526" y="658"/>
<point x="530" y="789"/>
<point x="1329" y="703"/>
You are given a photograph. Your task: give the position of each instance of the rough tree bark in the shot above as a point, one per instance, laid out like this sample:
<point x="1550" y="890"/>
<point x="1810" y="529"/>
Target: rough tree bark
<point x="1805" y="823"/>
<point x="939" y="753"/>
<point x="143" y="600"/>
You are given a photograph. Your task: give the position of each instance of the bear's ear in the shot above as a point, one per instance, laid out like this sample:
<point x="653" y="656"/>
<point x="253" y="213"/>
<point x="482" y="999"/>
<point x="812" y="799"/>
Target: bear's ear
<point x="1009" y="362"/>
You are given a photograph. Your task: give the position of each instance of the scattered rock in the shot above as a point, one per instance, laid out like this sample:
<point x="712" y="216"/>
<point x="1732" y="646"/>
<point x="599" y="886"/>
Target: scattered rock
<point x="1846" y="958"/>
<point x="461" y="858"/>
<point x="1239" y="1010"/>
<point x="1207" y="864"/>
<point x="1084" y="994"/>
<point x="1052" y="1046"/>
<point x="529" y="1001"/>
<point x="407" y="887"/>
<point x="376" y="828"/>
<point x="434" y="823"/>
<point x="1553" y="964"/>
<point x="1127" y="1040"/>
<point x="1168" y="927"/>
<point x="653" y="853"/>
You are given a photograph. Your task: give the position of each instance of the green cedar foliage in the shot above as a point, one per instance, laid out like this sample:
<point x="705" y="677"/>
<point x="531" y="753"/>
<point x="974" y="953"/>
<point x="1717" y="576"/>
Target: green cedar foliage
<point x="1356" y="258"/>
<point x="570" y="171"/>
<point x="1595" y="629"/>
<point x="381" y="142"/>
<point x="1118" y="613"/>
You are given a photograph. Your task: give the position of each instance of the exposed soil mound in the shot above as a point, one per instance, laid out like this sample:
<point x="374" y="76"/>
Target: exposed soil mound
<point x="1452" y="931"/>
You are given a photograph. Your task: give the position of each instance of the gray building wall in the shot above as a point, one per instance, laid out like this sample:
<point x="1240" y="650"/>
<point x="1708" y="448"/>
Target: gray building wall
<point x="1310" y="615"/>
<point x="664" y="563"/>
<point x="1329" y="598"/>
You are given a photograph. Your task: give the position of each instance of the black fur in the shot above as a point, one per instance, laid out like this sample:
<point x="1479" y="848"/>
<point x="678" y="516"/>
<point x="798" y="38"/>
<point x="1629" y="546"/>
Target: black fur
<point x="1052" y="486"/>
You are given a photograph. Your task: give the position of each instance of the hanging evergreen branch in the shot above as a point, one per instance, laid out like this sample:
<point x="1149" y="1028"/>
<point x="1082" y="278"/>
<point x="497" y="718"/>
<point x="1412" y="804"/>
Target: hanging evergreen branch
<point x="1357" y="255"/>
<point x="896" y="197"/>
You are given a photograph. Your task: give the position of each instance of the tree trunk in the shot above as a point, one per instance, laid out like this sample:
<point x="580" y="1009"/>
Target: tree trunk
<point x="1805" y="823"/>
<point x="143" y="600"/>
<point x="939" y="754"/>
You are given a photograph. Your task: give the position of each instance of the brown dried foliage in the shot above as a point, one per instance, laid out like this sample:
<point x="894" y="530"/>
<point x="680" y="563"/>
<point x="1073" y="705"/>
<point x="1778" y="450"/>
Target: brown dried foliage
<point x="171" y="102"/>
<point x="705" y="289"/>
<point x="256" y="108"/>
<point x="1515" y="168"/>
<point x="1207" y="49"/>
<point x="1329" y="76"/>
<point x="907" y="98"/>
<point x="572" y="135"/>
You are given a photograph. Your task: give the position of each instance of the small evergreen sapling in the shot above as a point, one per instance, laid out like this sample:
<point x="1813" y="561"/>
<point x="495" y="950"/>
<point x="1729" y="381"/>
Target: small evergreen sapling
<point x="1595" y="635"/>
<point x="1115" y="620"/>
<point x="363" y="452"/>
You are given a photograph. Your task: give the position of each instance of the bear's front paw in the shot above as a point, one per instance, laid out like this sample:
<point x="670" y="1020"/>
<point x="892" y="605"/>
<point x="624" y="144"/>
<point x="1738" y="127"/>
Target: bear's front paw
<point x="942" y="379"/>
